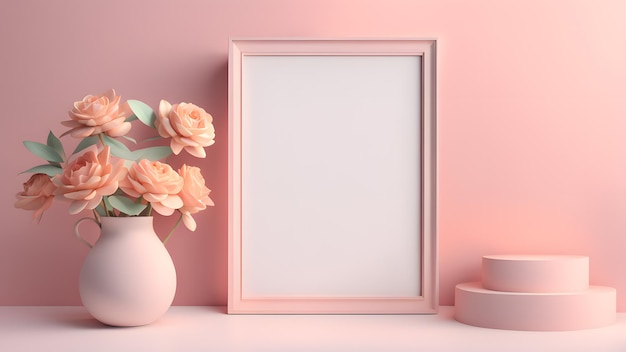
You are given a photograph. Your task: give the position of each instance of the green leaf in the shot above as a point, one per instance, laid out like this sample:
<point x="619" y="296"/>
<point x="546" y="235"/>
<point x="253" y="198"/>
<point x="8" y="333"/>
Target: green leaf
<point x="150" y="139"/>
<point x="114" y="143"/>
<point x="86" y="142"/>
<point x="100" y="210"/>
<point x="43" y="151"/>
<point x="47" y="169"/>
<point x="54" y="143"/>
<point x="106" y="202"/>
<point x="131" y="118"/>
<point x="152" y="153"/>
<point x="126" y="205"/>
<point x="132" y="140"/>
<point x="143" y="112"/>
<point x="118" y="148"/>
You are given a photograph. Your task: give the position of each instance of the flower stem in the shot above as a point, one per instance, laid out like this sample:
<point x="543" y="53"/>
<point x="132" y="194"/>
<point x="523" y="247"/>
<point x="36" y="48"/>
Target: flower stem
<point x="173" y="228"/>
<point x="97" y="217"/>
<point x="104" y="205"/>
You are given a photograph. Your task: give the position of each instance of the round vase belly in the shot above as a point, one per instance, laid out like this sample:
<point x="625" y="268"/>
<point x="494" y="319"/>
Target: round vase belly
<point x="128" y="278"/>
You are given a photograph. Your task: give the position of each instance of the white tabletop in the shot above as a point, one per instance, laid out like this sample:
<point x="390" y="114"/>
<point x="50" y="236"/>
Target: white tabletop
<point x="211" y="329"/>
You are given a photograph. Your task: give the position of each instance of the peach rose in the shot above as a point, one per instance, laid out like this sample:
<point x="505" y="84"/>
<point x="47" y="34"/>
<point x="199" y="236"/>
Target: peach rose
<point x="97" y="114"/>
<point x="195" y="194"/>
<point x="38" y="195"/>
<point x="87" y="177"/>
<point x="157" y="183"/>
<point x="189" y="126"/>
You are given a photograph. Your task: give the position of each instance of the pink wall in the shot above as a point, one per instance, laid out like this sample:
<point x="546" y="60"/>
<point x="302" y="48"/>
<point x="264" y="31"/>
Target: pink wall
<point x="532" y="121"/>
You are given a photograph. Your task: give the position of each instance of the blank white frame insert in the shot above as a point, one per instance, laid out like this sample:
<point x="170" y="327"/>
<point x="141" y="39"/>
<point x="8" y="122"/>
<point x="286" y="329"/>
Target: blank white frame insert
<point x="332" y="177"/>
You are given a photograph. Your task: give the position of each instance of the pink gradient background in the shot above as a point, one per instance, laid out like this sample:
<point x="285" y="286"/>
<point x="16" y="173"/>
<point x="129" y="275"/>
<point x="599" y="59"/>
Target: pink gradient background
<point x="532" y="121"/>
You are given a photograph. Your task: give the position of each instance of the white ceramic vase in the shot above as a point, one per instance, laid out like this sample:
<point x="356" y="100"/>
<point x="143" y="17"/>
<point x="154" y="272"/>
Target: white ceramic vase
<point x="128" y="277"/>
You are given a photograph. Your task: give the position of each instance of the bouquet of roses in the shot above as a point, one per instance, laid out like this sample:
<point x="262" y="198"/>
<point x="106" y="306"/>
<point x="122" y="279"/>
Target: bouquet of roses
<point x="105" y="176"/>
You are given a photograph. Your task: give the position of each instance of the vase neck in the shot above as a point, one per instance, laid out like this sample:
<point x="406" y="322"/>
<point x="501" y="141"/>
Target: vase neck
<point x="124" y="224"/>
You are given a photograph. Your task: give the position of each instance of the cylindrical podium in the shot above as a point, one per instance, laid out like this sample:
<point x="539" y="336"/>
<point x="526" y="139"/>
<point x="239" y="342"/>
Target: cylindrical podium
<point x="536" y="293"/>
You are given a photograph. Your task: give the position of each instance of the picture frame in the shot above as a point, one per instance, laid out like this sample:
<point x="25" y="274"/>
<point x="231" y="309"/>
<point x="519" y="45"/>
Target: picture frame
<point x="332" y="170"/>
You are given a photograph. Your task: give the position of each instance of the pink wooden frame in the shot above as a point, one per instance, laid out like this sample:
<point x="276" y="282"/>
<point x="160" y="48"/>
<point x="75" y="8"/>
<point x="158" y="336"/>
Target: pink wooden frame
<point x="427" y="302"/>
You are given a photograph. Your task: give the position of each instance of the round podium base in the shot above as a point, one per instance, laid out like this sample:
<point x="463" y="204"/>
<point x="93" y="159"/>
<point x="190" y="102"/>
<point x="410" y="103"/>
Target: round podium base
<point x="591" y="308"/>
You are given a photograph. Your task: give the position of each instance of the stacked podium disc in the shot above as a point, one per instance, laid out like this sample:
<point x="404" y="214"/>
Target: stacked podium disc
<point x="535" y="292"/>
